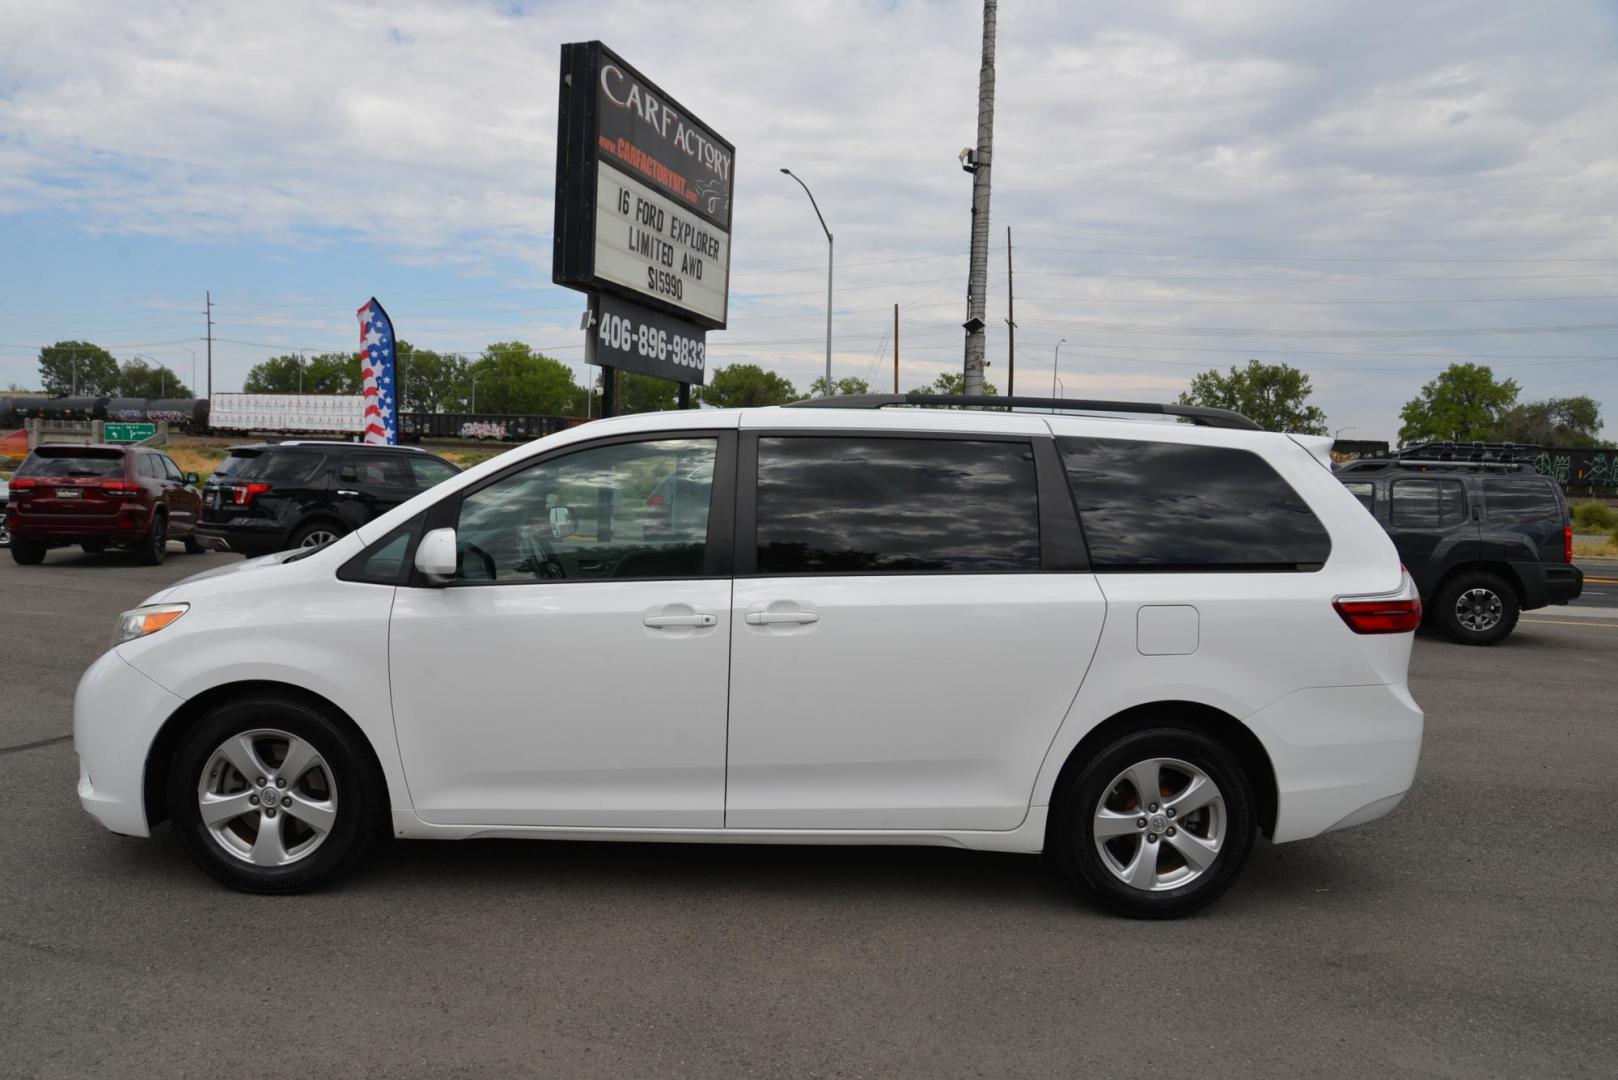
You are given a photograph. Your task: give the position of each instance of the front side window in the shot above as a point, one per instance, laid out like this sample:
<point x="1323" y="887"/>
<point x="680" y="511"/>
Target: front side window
<point x="171" y="469"/>
<point x="835" y="505"/>
<point x="623" y="511"/>
<point x="1427" y="504"/>
<point x="1170" y="506"/>
<point x="1526" y="501"/>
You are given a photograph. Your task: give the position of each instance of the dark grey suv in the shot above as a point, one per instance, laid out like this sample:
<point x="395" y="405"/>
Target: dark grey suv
<point x="1483" y="535"/>
<point x="271" y="497"/>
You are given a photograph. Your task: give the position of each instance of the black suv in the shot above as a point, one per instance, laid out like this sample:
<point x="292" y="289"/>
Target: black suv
<point x="271" y="497"/>
<point x="1484" y="536"/>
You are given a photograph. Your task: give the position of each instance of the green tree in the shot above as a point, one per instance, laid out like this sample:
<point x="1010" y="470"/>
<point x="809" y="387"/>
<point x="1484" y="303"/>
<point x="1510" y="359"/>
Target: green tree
<point x="325" y="373"/>
<point x="741" y="386"/>
<point x="952" y="382"/>
<point x="512" y="378"/>
<point x="1465" y="403"/>
<point x="1273" y="396"/>
<point x="429" y="381"/>
<point x="1570" y="421"/>
<point x="138" y="379"/>
<point x="644" y="393"/>
<point x="842" y="386"/>
<point x="78" y="368"/>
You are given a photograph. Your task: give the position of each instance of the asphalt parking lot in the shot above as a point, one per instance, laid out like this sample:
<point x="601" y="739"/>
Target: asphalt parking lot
<point x="1472" y="933"/>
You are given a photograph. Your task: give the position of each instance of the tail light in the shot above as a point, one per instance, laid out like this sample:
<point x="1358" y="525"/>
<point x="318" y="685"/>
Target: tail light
<point x="1567" y="543"/>
<point x="244" y="494"/>
<point x="24" y="485"/>
<point x="125" y="489"/>
<point x="654" y="500"/>
<point x="1394" y="613"/>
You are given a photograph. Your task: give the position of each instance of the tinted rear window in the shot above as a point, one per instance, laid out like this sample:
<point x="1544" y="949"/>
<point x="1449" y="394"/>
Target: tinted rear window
<point x="865" y="505"/>
<point x="280" y="466"/>
<point x="1521" y="502"/>
<point x="46" y="462"/>
<point x="232" y="463"/>
<point x="1173" y="506"/>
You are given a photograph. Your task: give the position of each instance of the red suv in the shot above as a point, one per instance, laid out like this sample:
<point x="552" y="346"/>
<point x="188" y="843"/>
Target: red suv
<point x="100" y="497"/>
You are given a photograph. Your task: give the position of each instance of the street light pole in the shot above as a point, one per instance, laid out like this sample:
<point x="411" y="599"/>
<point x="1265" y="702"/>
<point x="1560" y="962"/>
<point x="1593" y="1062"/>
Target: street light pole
<point x="806" y="191"/>
<point x="1054" y="361"/>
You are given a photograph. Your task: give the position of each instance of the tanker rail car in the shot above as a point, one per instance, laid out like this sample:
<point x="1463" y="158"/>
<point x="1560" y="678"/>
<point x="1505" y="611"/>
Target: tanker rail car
<point x="189" y="415"/>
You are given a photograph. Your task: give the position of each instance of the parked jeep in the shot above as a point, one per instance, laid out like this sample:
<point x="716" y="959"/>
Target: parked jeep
<point x="1485" y="537"/>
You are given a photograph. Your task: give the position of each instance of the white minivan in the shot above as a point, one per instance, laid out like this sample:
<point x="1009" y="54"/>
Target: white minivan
<point x="1133" y="644"/>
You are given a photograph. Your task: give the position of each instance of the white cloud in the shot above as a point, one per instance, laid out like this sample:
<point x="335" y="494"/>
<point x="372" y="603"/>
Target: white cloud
<point x="1278" y="132"/>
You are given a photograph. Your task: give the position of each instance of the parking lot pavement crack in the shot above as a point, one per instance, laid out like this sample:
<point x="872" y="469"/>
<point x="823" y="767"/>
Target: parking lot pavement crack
<point x="35" y="745"/>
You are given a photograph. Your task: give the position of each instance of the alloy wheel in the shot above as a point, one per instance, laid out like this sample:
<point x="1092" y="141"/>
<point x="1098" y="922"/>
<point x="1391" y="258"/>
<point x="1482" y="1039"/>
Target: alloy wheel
<point x="1160" y="824"/>
<point x="1479" y="609"/>
<point x="267" y="797"/>
<point x="318" y="538"/>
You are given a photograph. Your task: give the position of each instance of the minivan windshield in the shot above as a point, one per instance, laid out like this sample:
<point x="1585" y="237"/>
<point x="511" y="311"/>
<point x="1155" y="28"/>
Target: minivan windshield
<point x="73" y="461"/>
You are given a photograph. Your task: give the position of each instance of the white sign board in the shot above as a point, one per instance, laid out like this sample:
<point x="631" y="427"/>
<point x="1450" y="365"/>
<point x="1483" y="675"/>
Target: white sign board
<point x="649" y="244"/>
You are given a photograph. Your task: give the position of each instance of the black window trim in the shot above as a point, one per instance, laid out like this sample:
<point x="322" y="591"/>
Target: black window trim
<point x="1061" y="538"/>
<point x="716" y="561"/>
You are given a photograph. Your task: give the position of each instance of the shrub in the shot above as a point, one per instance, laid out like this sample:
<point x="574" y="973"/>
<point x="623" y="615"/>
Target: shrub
<point x="1592" y="517"/>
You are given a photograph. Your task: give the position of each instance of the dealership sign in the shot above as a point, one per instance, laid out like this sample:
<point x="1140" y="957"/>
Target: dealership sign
<point x="643" y="192"/>
<point x="629" y="336"/>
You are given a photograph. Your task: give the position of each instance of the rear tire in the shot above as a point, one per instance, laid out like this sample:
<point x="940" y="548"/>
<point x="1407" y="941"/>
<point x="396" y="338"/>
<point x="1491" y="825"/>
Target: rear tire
<point x="154" y="546"/>
<point x="322" y="818"/>
<point x="1163" y="853"/>
<point x="27" y="552"/>
<point x="1477" y="608"/>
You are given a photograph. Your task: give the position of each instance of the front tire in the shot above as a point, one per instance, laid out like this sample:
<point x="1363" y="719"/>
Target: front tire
<point x="270" y="795"/>
<point x="154" y="546"/>
<point x="1477" y="608"/>
<point x="1158" y="824"/>
<point x="192" y="547"/>
<point x="26" y="552"/>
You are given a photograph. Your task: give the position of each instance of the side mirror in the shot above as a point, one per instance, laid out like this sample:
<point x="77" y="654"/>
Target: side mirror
<point x="192" y="479"/>
<point x="563" y="522"/>
<point x="435" y="556"/>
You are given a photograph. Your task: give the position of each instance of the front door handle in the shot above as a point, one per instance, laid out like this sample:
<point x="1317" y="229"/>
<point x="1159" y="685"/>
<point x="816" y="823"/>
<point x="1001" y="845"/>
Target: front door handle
<point x="348" y="494"/>
<point x="658" y="622"/>
<point x="770" y="618"/>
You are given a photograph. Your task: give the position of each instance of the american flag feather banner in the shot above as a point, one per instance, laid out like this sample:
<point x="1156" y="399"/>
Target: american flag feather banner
<point x="376" y="371"/>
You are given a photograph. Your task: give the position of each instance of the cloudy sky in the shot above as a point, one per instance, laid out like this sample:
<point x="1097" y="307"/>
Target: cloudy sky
<point x="1367" y="190"/>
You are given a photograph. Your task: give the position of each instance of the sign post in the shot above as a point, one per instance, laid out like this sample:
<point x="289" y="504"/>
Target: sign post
<point x="643" y="217"/>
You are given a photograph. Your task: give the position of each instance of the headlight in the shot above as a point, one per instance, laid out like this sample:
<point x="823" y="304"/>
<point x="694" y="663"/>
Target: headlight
<point x="146" y="620"/>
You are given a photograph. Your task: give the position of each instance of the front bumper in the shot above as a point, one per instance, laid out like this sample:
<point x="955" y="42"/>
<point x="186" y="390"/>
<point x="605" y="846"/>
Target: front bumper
<point x="1343" y="755"/>
<point x="117" y="713"/>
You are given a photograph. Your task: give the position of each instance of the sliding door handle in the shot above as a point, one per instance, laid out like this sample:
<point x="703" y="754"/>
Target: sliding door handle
<point x="770" y="618"/>
<point x="659" y="622"/>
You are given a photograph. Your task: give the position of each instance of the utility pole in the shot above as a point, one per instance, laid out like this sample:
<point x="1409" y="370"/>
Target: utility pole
<point x="1011" y="322"/>
<point x="978" y="165"/>
<point x="209" y="313"/>
<point x="895" y="348"/>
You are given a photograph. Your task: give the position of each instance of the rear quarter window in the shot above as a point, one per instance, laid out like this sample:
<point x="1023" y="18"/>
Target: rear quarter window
<point x="1521" y="501"/>
<point x="1161" y="506"/>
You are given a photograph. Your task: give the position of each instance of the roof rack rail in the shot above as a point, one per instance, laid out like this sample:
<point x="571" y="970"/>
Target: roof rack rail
<point x="1480" y="452"/>
<point x="1428" y="465"/>
<point x="1197" y="414"/>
